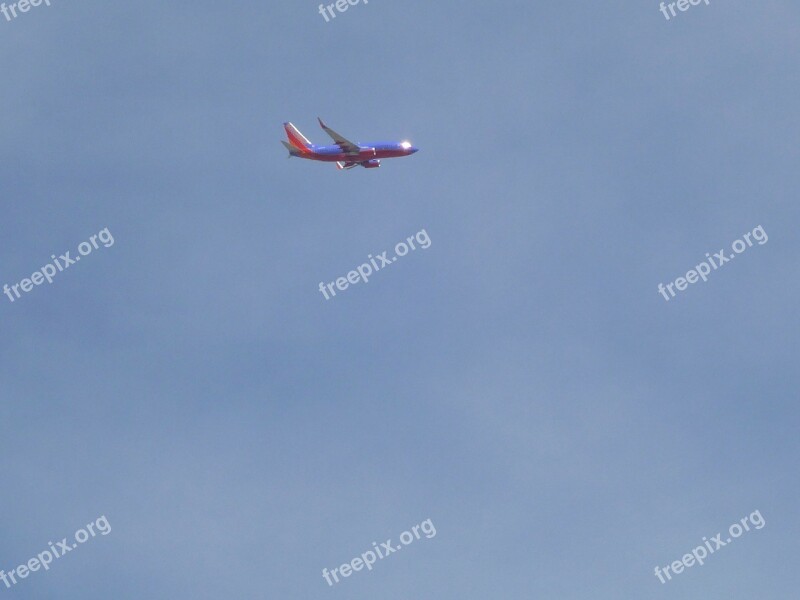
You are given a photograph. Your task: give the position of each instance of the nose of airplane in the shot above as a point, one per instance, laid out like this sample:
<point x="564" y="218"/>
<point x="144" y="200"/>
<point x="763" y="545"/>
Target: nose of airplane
<point x="413" y="149"/>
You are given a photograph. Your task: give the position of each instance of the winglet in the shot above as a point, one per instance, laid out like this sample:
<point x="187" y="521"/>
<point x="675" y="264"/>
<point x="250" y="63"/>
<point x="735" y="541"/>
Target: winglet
<point x="321" y="124"/>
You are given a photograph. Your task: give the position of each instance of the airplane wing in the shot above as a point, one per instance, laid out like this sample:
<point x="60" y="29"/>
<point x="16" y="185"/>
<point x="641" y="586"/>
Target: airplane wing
<point x="346" y="165"/>
<point x="345" y="144"/>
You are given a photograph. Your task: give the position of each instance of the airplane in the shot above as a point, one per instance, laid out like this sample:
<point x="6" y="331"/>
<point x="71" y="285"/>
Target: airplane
<point x="345" y="154"/>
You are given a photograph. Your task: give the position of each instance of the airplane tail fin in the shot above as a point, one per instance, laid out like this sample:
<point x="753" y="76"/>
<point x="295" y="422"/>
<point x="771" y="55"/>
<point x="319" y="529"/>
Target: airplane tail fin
<point x="297" y="139"/>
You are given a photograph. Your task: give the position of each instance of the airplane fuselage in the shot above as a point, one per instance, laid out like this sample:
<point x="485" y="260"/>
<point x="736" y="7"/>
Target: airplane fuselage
<point x="367" y="151"/>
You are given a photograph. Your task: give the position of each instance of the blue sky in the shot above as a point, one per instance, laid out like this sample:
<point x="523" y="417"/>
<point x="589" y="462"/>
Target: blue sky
<point x="521" y="382"/>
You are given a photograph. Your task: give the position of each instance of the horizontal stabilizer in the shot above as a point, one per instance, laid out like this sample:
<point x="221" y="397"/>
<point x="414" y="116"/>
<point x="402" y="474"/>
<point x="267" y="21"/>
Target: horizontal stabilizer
<point x="292" y="150"/>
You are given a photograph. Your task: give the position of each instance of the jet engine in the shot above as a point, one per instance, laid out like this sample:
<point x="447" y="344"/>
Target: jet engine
<point x="372" y="164"/>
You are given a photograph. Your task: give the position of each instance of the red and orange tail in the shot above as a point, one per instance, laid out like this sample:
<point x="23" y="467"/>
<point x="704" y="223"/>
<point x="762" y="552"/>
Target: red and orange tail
<point x="297" y="139"/>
